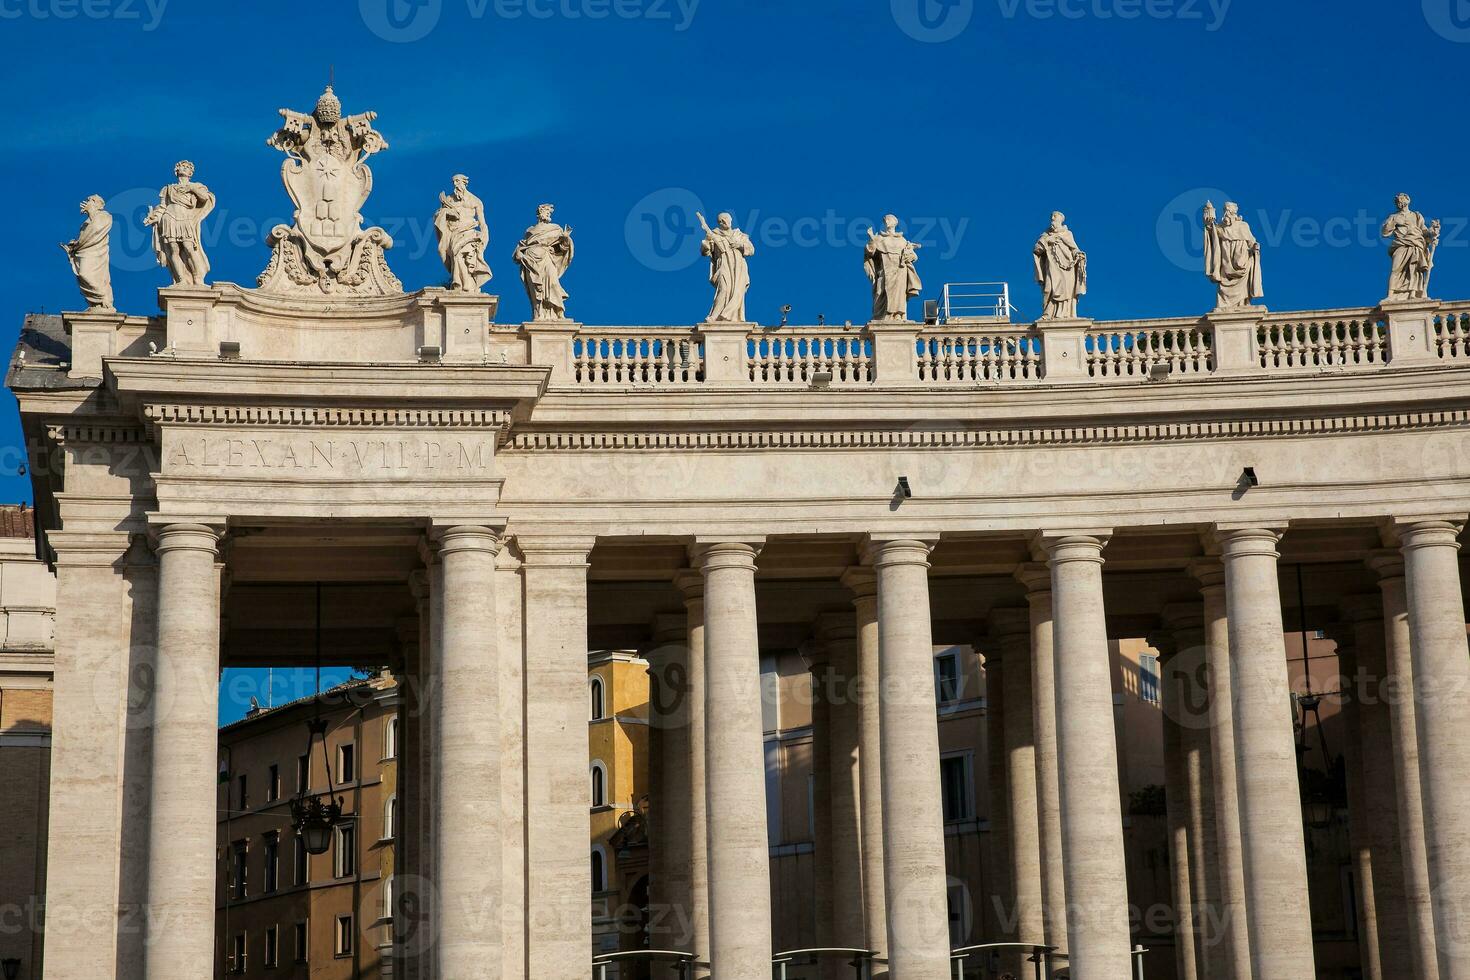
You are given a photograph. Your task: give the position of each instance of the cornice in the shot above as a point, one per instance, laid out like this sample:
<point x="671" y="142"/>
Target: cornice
<point x="298" y="416"/>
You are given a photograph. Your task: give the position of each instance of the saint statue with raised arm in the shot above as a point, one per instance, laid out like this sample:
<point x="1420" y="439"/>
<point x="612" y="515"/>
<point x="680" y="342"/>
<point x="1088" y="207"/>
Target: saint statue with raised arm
<point x="176" y="220"/>
<point x="1232" y="258"/>
<point x="89" y="254"/>
<point x="727" y="247"/>
<point x="889" y="259"/>
<point x="463" y="235"/>
<point x="1061" y="269"/>
<point x="1412" y="251"/>
<point x="544" y="255"/>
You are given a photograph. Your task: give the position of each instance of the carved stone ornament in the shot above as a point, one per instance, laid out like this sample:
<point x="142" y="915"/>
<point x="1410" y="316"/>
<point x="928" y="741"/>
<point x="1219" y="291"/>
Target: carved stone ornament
<point x="327" y="250"/>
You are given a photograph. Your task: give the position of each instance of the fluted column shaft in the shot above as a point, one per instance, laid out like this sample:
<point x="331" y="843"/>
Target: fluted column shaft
<point x="1232" y="930"/>
<point x="1441" y="666"/>
<point x="181" y="837"/>
<point x="1399" y="692"/>
<point x="913" y="814"/>
<point x="1087" y="759"/>
<point x="1037" y="579"/>
<point x="1274" y="849"/>
<point x="864" y="587"/>
<point x="558" y="794"/>
<point x="468" y="863"/>
<point x="739" y="850"/>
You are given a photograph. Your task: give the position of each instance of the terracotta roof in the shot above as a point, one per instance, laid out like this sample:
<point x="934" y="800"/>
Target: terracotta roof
<point x="17" y="521"/>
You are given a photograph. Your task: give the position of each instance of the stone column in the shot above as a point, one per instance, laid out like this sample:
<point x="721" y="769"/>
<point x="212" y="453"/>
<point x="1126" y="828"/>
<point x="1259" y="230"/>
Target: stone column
<point x="1399" y="692"/>
<point x="1372" y="694"/>
<point x="181" y="837"/>
<point x="1360" y="848"/>
<point x="672" y="841"/>
<point x="512" y="652"/>
<point x="408" y="868"/>
<point x="913" y="815"/>
<point x="1011" y="633"/>
<point x="864" y="585"/>
<point x="424" y="588"/>
<point x="103" y="677"/>
<point x="739" y="849"/>
<point x="1036" y="577"/>
<point x="1000" y="890"/>
<point x="1234" y="932"/>
<point x="1176" y="801"/>
<point x="1087" y="757"/>
<point x="694" y="934"/>
<point x="558" y="793"/>
<point x="819" y="669"/>
<point x="1273" y="845"/>
<point x="1441" y="666"/>
<point x="839" y="633"/>
<point x="468" y="858"/>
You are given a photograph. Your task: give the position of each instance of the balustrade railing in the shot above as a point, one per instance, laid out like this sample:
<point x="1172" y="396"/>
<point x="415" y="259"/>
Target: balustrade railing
<point x="1452" y="332"/>
<point x="1134" y="352"/>
<point x="950" y="356"/>
<point x="617" y="357"/>
<point x="1338" y="339"/>
<point x="843" y="356"/>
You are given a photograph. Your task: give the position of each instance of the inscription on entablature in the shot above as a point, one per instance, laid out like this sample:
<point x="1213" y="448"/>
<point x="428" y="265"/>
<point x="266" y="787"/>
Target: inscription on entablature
<point x="360" y="456"/>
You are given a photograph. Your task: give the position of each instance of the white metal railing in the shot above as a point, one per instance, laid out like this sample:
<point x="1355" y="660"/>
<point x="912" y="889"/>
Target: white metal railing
<point x="975" y="301"/>
<point x="1135" y="352"/>
<point x="1340" y="339"/>
<point x="664" y="357"/>
<point x="991" y="357"/>
<point x="835" y="356"/>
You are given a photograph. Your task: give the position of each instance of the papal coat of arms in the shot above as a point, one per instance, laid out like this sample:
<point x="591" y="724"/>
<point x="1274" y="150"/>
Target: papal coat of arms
<point x="327" y="250"/>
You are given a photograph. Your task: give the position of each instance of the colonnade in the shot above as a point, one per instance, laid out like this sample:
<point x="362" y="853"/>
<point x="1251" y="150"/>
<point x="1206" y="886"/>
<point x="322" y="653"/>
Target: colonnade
<point x="1233" y="797"/>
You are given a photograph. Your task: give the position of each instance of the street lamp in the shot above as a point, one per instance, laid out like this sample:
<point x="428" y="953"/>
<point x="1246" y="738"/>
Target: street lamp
<point x="315" y="815"/>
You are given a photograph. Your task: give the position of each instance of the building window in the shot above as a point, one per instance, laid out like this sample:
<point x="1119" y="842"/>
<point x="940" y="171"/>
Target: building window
<point x="390" y="818"/>
<point x="272" y="947"/>
<point x="298" y="861"/>
<point x="272" y="862"/>
<point x="960" y="914"/>
<point x="237" y="878"/>
<point x="303" y="774"/>
<point x="390" y="739"/>
<point x="243" y="790"/>
<point x="956" y="774"/>
<point x="1148" y="677"/>
<point x="595" y="693"/>
<point x="342" y="944"/>
<point x="346" y="762"/>
<point x="237" y="954"/>
<point x="599" y="871"/>
<point x="388" y="898"/>
<point x="273" y="784"/>
<point x="947" y="677"/>
<point x="301" y="952"/>
<point x="345" y="858"/>
<point x="599" y="785"/>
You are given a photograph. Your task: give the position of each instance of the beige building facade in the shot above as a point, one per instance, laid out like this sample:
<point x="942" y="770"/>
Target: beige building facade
<point x="490" y="501"/>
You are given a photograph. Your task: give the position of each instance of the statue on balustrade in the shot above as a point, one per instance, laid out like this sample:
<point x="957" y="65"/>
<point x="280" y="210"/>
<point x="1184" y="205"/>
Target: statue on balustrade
<point x="327" y="250"/>
<point x="88" y="254"/>
<point x="727" y="247"/>
<point x="1232" y="258"/>
<point x="1061" y="269"/>
<point x="889" y="259"/>
<point x="463" y="234"/>
<point x="1412" y="251"/>
<point x="544" y="255"/>
<point x="176" y="221"/>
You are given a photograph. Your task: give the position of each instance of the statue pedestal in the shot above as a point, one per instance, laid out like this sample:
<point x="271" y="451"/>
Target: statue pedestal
<point x="1411" y="337"/>
<point x="1063" y="349"/>
<point x="93" y="336"/>
<point x="895" y="351"/>
<point x="724" y="349"/>
<point x="458" y="323"/>
<point x="1235" y="339"/>
<point x="549" y="344"/>
<point x="187" y="311"/>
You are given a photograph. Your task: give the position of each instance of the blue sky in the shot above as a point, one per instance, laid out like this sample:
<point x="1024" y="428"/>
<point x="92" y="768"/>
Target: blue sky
<point x="808" y="119"/>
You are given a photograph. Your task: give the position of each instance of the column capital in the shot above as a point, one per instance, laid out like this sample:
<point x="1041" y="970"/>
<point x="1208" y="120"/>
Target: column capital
<point x="669" y="628"/>
<point x="565" y="550"/>
<point x="1009" y="628"/>
<point x="1238" y="540"/>
<point x="418" y="584"/>
<point x="860" y="581"/>
<point x="1183" y="623"/>
<point x="1362" y="608"/>
<point x="690" y="584"/>
<point x="1387" y="562"/>
<point x="1429" y="532"/>
<point x="1208" y="571"/>
<point x="186" y="537"/>
<point x="726" y="554"/>
<point x="1073" y="545"/>
<point x="835" y="627"/>
<point x="902" y="550"/>
<point x="1035" y="576"/>
<point x="98" y="548"/>
<point x="469" y="537"/>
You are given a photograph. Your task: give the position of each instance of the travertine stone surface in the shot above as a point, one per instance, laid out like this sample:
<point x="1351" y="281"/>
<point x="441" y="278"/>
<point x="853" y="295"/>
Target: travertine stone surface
<point x="691" y="585"/>
<point x="864" y="585"/>
<point x="839" y="633"/>
<point x="1010" y="631"/>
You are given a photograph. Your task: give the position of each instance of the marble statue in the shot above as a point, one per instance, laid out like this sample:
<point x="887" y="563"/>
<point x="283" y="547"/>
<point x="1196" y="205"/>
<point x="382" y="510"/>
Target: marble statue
<point x="543" y="256"/>
<point x="1412" y="251"/>
<point x="1232" y="258"/>
<point x="327" y="250"/>
<point x="889" y="259"/>
<point x="176" y="220"/>
<point x="88" y="254"/>
<point x="1061" y="269"/>
<point x="728" y="248"/>
<point x="463" y="234"/>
